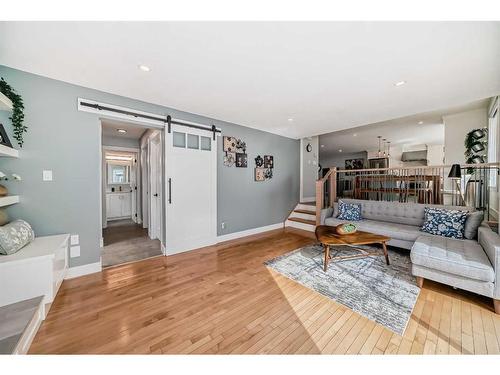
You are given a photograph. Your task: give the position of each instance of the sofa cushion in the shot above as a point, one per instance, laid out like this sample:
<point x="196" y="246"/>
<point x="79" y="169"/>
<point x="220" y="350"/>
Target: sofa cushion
<point x="474" y="220"/>
<point x="396" y="212"/>
<point x="393" y="230"/>
<point x="465" y="258"/>
<point x="447" y="223"/>
<point x="349" y="211"/>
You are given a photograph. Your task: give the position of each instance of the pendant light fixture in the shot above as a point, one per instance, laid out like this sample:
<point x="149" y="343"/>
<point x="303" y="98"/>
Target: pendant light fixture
<point x="383" y="146"/>
<point x="388" y="149"/>
<point x="379" y="138"/>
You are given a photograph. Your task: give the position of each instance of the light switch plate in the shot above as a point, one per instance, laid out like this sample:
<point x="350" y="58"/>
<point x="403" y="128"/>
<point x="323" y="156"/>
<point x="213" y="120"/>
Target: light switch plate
<point x="74" y="251"/>
<point x="75" y="239"/>
<point x="47" y="175"/>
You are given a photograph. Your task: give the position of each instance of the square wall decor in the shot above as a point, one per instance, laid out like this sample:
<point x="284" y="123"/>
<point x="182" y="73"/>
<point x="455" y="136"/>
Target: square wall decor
<point x="268" y="161"/>
<point x="260" y="174"/>
<point x="241" y="160"/>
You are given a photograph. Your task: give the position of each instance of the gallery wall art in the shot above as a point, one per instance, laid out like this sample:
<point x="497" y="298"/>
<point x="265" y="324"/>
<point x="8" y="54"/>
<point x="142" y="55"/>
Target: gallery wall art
<point x="234" y="152"/>
<point x="264" y="168"/>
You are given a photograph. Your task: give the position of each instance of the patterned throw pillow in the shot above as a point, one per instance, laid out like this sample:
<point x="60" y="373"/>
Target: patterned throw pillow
<point x="349" y="211"/>
<point x="14" y="236"/>
<point x="447" y="223"/>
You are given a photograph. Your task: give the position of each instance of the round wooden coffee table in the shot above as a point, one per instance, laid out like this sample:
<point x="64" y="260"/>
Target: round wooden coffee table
<point x="327" y="235"/>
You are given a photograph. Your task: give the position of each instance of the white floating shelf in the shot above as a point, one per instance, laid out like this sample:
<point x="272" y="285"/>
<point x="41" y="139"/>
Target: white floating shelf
<point x="5" y="103"/>
<point x="8" y="152"/>
<point x="7" y="201"/>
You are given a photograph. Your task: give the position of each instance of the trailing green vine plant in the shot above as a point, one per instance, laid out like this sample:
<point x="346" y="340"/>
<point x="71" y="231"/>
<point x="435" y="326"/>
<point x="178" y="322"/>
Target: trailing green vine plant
<point x="17" y="117"/>
<point x="476" y="144"/>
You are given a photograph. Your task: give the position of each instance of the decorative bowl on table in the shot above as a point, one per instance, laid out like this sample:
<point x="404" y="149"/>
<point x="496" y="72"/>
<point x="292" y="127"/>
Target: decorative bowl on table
<point x="347" y="228"/>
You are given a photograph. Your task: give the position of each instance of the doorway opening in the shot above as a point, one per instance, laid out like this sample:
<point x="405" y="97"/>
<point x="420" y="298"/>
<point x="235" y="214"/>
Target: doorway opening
<point x="132" y="185"/>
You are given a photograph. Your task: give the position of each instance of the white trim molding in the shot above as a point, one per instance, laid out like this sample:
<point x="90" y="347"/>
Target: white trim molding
<point x="249" y="232"/>
<point x="86" y="269"/>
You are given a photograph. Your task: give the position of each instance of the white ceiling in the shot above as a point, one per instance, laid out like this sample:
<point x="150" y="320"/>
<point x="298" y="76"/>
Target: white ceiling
<point x="325" y="75"/>
<point x="110" y="127"/>
<point x="405" y="131"/>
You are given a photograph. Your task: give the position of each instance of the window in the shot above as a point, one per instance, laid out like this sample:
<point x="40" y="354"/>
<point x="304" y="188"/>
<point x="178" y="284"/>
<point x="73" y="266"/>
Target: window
<point x="179" y="139"/>
<point x="206" y="143"/>
<point x="493" y="145"/>
<point x="193" y="141"/>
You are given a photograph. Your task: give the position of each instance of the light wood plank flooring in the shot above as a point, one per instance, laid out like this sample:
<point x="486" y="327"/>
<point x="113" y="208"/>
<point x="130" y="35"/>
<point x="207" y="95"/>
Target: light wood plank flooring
<point x="222" y="299"/>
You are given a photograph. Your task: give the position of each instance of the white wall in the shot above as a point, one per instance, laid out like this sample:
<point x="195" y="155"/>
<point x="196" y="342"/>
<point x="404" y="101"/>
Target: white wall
<point x="309" y="164"/>
<point x="456" y="127"/>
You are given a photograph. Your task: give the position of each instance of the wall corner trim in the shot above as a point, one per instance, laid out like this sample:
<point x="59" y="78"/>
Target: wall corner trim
<point x="249" y="232"/>
<point x="86" y="269"/>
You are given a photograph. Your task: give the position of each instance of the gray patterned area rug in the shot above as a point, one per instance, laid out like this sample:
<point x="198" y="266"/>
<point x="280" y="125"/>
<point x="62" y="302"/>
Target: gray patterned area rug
<point x="385" y="294"/>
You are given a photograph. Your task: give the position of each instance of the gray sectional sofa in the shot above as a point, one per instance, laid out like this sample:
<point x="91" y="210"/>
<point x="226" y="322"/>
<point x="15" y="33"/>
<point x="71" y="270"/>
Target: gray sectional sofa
<point x="471" y="264"/>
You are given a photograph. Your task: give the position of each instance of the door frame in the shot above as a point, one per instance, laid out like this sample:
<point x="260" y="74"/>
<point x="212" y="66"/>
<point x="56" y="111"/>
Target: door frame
<point x="102" y="205"/>
<point x="158" y="211"/>
<point x="135" y="151"/>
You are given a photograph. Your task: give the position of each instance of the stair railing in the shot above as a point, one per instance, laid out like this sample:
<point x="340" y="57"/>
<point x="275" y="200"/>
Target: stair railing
<point x="326" y="192"/>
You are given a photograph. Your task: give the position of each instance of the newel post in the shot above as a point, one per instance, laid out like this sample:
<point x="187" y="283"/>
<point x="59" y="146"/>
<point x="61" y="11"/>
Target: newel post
<point x="319" y="200"/>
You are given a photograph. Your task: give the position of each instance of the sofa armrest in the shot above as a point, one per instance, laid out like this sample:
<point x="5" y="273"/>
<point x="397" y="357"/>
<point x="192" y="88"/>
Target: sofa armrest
<point x="490" y="242"/>
<point x="325" y="212"/>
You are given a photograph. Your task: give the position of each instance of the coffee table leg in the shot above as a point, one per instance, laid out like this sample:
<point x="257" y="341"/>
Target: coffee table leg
<point x="327" y="258"/>
<point x="385" y="253"/>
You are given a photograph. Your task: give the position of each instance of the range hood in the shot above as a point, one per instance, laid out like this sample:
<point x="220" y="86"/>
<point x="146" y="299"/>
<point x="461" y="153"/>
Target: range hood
<point x="414" y="156"/>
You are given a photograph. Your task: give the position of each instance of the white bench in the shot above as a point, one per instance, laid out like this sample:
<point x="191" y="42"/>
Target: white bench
<point x="36" y="270"/>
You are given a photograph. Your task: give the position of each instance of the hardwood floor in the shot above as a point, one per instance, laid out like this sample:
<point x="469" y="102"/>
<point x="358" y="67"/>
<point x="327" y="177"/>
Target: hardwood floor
<point x="126" y="241"/>
<point x="222" y="299"/>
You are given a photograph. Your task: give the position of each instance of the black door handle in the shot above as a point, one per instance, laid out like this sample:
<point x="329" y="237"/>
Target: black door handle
<point x="170" y="191"/>
<point x="156" y="195"/>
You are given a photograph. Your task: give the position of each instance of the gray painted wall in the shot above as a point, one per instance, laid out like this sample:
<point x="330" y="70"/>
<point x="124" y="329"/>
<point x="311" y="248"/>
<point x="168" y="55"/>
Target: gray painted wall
<point x="310" y="167"/>
<point x="68" y="142"/>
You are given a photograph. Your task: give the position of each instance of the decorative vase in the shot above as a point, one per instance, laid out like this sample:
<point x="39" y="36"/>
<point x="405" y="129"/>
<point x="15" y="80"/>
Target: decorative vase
<point x="3" y="191"/>
<point x="348" y="228"/>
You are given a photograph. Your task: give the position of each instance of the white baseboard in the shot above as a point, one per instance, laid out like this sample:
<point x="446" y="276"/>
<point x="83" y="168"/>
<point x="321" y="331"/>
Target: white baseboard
<point x="163" y="249"/>
<point x="249" y="232"/>
<point x="308" y="199"/>
<point x="86" y="269"/>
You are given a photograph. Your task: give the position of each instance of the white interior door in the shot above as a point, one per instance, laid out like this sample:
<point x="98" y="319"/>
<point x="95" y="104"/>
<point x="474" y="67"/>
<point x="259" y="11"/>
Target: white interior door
<point x="155" y="188"/>
<point x="191" y="189"/>
<point x="133" y="187"/>
<point x="145" y="186"/>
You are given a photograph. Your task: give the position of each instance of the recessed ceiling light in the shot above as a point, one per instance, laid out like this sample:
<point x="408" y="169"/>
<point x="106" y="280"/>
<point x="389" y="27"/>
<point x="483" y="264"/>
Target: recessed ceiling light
<point x="123" y="131"/>
<point x="144" y="68"/>
<point x="355" y="135"/>
<point x="340" y="150"/>
<point x="420" y="122"/>
<point x="322" y="146"/>
<point x="290" y="119"/>
<point x="400" y="83"/>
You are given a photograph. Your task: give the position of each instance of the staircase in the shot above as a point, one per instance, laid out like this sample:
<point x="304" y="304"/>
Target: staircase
<point x="303" y="217"/>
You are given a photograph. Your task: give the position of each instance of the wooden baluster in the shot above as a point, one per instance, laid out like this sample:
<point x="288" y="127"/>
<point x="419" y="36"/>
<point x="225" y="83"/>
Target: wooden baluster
<point x="332" y="184"/>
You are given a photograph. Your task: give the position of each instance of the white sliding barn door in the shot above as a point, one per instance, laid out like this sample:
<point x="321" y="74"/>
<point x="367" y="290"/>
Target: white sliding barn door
<point x="191" y="189"/>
